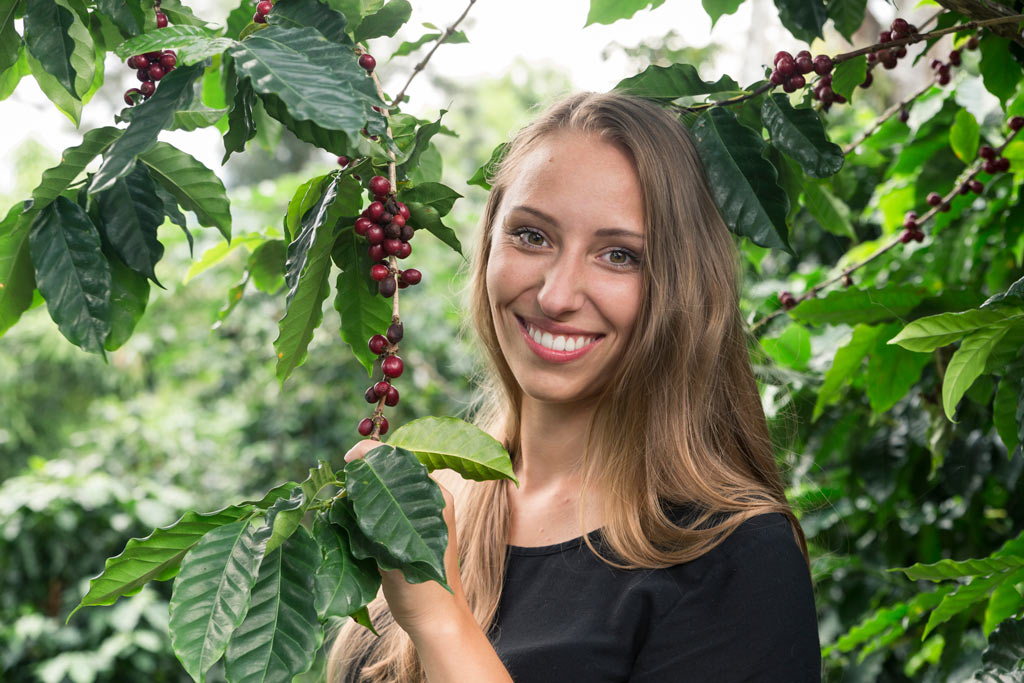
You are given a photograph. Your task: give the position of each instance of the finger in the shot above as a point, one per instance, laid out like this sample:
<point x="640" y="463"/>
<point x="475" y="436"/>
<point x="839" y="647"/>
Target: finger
<point x="361" y="449"/>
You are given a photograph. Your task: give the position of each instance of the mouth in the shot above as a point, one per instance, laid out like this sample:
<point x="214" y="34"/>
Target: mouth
<point x="559" y="348"/>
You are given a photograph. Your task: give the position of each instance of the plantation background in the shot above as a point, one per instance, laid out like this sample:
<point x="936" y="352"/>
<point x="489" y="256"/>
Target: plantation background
<point x="189" y="415"/>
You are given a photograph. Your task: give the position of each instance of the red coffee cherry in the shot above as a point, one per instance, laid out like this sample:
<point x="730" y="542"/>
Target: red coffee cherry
<point x="776" y="78"/>
<point x="972" y="43"/>
<point x="986" y="152"/>
<point x="804" y="64"/>
<point x="900" y="24"/>
<point x="954" y="57"/>
<point x="392" y="366"/>
<point x="376" y="252"/>
<point x="990" y="167"/>
<point x="378" y="272"/>
<point x="384" y="218"/>
<point x="976" y="186"/>
<point x="343" y="161"/>
<point x="387" y="287"/>
<point x="398" y="219"/>
<point x="906" y="236"/>
<point x="362" y="226"/>
<point x="392" y="397"/>
<point x="406" y="234"/>
<point x="374" y="211"/>
<point x="786" y="66"/>
<point x="264" y="7"/>
<point x="367" y="61"/>
<point x="383" y="425"/>
<point x="403" y="210"/>
<point x="365" y="426"/>
<point x="823" y="64"/>
<point x="797" y="82"/>
<point x="143" y="75"/>
<point x="392" y="246"/>
<point x="379" y="185"/>
<point x="147" y="88"/>
<point x="161" y="20"/>
<point x="934" y="198"/>
<point x="787" y="300"/>
<point x="412" y="276"/>
<point x="1002" y="165"/>
<point x="380" y="389"/>
<point x="779" y="55"/>
<point x="168" y="60"/>
<point x="405" y="249"/>
<point x="375" y="234"/>
<point x="1016" y="122"/>
<point x="371" y="395"/>
<point x="378" y="343"/>
<point x="395" y="332"/>
<point x="392" y="230"/>
<point x="128" y="96"/>
<point x="156" y="72"/>
<point x="262" y="19"/>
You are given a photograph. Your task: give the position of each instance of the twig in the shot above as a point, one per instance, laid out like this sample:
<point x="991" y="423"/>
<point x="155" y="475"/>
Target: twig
<point x="423" y="62"/>
<point x="886" y="115"/>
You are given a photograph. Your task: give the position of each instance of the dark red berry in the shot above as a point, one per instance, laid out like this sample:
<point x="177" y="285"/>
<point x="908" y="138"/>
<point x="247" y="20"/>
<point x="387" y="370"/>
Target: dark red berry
<point x="786" y="66"/>
<point x="412" y="276"/>
<point x="403" y="210"/>
<point x="972" y="43"/>
<point x="937" y="64"/>
<point x="128" y="96"/>
<point x="168" y="60"/>
<point x="897" y="35"/>
<point x="362" y="225"/>
<point x="407" y="233"/>
<point x="904" y="115"/>
<point x="392" y="366"/>
<point x="780" y="54"/>
<point x="943" y="78"/>
<point x="900" y="24"/>
<point x="375" y="234"/>
<point x="398" y="218"/>
<point x="378" y="343"/>
<point x="976" y="186"/>
<point x="343" y="161"/>
<point x="868" y="80"/>
<point x="392" y="246"/>
<point x="934" y="198"/>
<point x="131" y="62"/>
<point x="161" y="20"/>
<point x="374" y="211"/>
<point x="888" y="59"/>
<point x="986" y="152"/>
<point x="1002" y="164"/>
<point x="264" y="7"/>
<point x="259" y="18"/>
<point x="404" y="250"/>
<point x="797" y="82"/>
<point x="989" y="166"/>
<point x="910" y="214"/>
<point x="387" y="287"/>
<point x="379" y="271"/>
<point x="822" y="64"/>
<point x="365" y="426"/>
<point x="918" y="236"/>
<point x="147" y="88"/>
<point x="912" y="29"/>
<point x="392" y="230"/>
<point x="371" y="396"/>
<point x="384" y="218"/>
<point x="885" y="37"/>
<point x="380" y="389"/>
<point x="1016" y="122"/>
<point x="395" y="332"/>
<point x="901" y="51"/>
<point x="789" y="86"/>
<point x="909" y="223"/>
<point x="376" y="252"/>
<point x="379" y="185"/>
<point x="156" y="72"/>
<point x="383" y="425"/>
<point x="906" y="236"/>
<point x="872" y="58"/>
<point x="954" y="57"/>
<point x="964" y="188"/>
<point x="143" y="75"/>
<point x="153" y="56"/>
<point x="804" y="64"/>
<point x="392" y="397"/>
<point x="944" y="206"/>
<point x="777" y="78"/>
<point x="787" y="300"/>
<point x="367" y="61"/>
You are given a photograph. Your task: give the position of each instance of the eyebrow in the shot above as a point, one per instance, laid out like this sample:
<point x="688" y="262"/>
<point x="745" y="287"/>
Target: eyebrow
<point x="601" y="232"/>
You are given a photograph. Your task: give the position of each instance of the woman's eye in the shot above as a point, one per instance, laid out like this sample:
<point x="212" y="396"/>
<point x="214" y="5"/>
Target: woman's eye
<point x="621" y="257"/>
<point x="531" y="237"/>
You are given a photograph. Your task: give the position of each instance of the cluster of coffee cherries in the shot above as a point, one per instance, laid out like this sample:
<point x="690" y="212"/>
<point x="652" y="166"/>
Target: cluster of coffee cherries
<point x="942" y="68"/>
<point x="789" y="70"/>
<point x="384" y="224"/>
<point x="888" y="57"/>
<point x="263" y="8"/>
<point x="150" y="67"/>
<point x="385" y="346"/>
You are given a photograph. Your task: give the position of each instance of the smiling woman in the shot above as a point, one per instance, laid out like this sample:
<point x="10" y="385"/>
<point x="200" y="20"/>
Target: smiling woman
<point x="604" y="294"/>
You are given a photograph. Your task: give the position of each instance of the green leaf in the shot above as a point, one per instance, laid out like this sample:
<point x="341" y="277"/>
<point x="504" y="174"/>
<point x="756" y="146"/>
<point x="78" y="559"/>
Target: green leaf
<point x="84" y="57"/>
<point x="485" y="173"/>
<point x="845" y="366"/>
<point x="46" y="36"/>
<point x="1005" y="646"/>
<point x="197" y="188"/>
<point x="218" y="252"/>
<point x="892" y="371"/>
<point x="66" y="103"/>
<point x="847" y="15"/>
<point x="964" y="136"/>
<point x="72" y="273"/>
<point x="127" y="16"/>
<point x="963" y="598"/>
<point x="802" y="18"/>
<point x="667" y="83"/>
<point x="1009" y="397"/>
<point x="853" y="306"/>
<point x="435" y="195"/>
<point x="398" y="506"/>
<point x="10" y="41"/>
<point x="717" y="8"/>
<point x="153" y="115"/>
<point x="928" y="334"/>
<point x="363" y="312"/>
<point x="10" y="77"/>
<point x="800" y="135"/>
<point x="317" y="81"/>
<point x="266" y="266"/>
<point x="451" y="443"/>
<point x="305" y="196"/>
<point x="212" y="591"/>
<point x="307" y="269"/>
<point x="73" y="161"/>
<point x="423" y="216"/>
<point x="742" y="182"/>
<point x="17" y="277"/>
<point x="457" y="37"/>
<point x="156" y="557"/>
<point x="1005" y="602"/>
<point x="890" y="618"/>
<point x="344" y="583"/>
<point x="419" y="146"/>
<point x="849" y="74"/>
<point x="314" y="14"/>
<point x="284" y="517"/>
<point x="830" y="212"/>
<point x="241" y="126"/>
<point x="610" y="11"/>
<point x="1013" y="296"/>
<point x="130" y="220"/>
<point x="280" y="635"/>
<point x="999" y="71"/>
<point x="384" y="22"/>
<point x="129" y="294"/>
<point x="333" y="141"/>
<point x="967" y="363"/>
<point x="791" y="348"/>
<point x="1001" y="560"/>
<point x="179" y="14"/>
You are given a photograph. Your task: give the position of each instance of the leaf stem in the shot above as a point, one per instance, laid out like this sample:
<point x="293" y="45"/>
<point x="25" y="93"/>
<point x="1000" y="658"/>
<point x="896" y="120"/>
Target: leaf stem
<point x="885" y="116"/>
<point x="423" y="62"/>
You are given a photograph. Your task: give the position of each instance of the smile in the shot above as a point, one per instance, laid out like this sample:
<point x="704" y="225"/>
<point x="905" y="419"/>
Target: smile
<point x="559" y="348"/>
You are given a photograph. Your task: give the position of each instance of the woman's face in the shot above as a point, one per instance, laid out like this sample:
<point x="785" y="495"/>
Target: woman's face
<point x="564" y="277"/>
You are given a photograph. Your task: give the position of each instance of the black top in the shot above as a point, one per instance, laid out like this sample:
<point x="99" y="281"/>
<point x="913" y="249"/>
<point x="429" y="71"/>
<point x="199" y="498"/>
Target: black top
<point x="742" y="612"/>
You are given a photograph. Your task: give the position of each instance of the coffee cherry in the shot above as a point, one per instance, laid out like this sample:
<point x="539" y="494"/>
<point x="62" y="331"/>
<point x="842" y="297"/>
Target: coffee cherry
<point x="383" y="425"/>
<point x="264" y="7"/>
<point x="954" y="57"/>
<point x="362" y="226"/>
<point x="943" y="78"/>
<point x="378" y="343"/>
<point x="786" y="66"/>
<point x="367" y="61"/>
<point x="900" y="24"/>
<point x="161" y="20"/>
<point x="156" y="72"/>
<point x="343" y="161"/>
<point x="976" y="185"/>
<point x="392" y="398"/>
<point x="888" y="59"/>
<point x="798" y="82"/>
<point x="822" y="64"/>
<point x="384" y="218"/>
<point x="868" y="80"/>
<point x="392" y="230"/>
<point x="787" y="300"/>
<point x="897" y="35"/>
<point x="143" y="75"/>
<point x="777" y="78"/>
<point x="911" y="215"/>
<point x="404" y="250"/>
<point x="972" y="43"/>
<point x="371" y="395"/>
<point x="885" y="37"/>
<point x="964" y="188"/>
<point x="934" y="198"/>
<point x="779" y="55"/>
<point x="910" y="223"/>
<point x="906" y="236"/>
<point x="376" y="252"/>
<point x="375" y="235"/>
<point x="1016" y="122"/>
<point x="378" y="271"/>
<point x="262" y="19"/>
<point x="365" y="426"/>
<point x="168" y="60"/>
<point x="147" y="88"/>
<point x="406" y="233"/>
<point x="403" y="210"/>
<point x="986" y="152"/>
<point x="872" y="58"/>
<point x="944" y="207"/>
<point x="128" y="96"/>
<point x="804" y="64"/>
<point x="138" y="62"/>
<point x="901" y="51"/>
<point x="904" y="115"/>
<point x="374" y="211"/>
<point x="392" y="246"/>
<point x="381" y="388"/>
<point x="387" y="287"/>
<point x="392" y="366"/>
<point x="918" y="236"/>
<point x="1002" y="165"/>
<point x="398" y="219"/>
<point x="379" y="185"/>
<point x="790" y="86"/>
<point x="412" y="276"/>
<point x="989" y="166"/>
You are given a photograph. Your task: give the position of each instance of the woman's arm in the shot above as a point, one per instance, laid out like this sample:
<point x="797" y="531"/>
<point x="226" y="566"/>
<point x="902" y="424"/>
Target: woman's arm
<point x="458" y="651"/>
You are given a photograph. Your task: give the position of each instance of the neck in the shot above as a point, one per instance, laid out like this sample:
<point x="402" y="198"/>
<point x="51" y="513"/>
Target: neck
<point x="552" y="440"/>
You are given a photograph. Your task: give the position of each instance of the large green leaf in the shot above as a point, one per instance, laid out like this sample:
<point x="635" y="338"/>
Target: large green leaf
<point x="435" y="195"/>
<point x="10" y="41"/>
<point x="285" y="514"/>
<point x="177" y="14"/>
<point x="802" y="18"/>
<point x="192" y="43"/>
<point x="313" y="227"/>
<point x="845" y="366"/>
<point x="420" y="144"/>
<point x="1004" y="603"/>
<point x="409" y="47"/>
<point x="305" y="196"/>
<point x="312" y="13"/>
<point x="928" y="334"/>
<point x="72" y="162"/>
<point x="72" y="273"/>
<point x="800" y="134"/>
<point x="68" y="104"/>
<point x="129" y="294"/>
<point x="281" y="634"/>
<point x="154" y="115"/>
<point x="892" y="371"/>
<point x="384" y="22"/>
<point x="212" y="592"/>
<point x="1008" y="400"/>
<point x="889" y="619"/>
<point x="1006" y="646"/>
<point x="197" y="188"/>
<point x="17" y="277"/>
<point x="610" y="11"/>
<point x="1000" y="72"/>
<point x="847" y="15"/>
<point x="241" y="126"/>
<point x="964" y="136"/>
<point x="333" y="141"/>
<point x="831" y="213"/>
<point x="399" y="506"/>
<point x="46" y="35"/>
<point x="344" y="583"/>
<point x="363" y="312"/>
<point x="742" y="182"/>
<point x="126" y="15"/>
<point x="220" y="251"/>
<point x="717" y="8"/>
<point x="130" y="219"/>
<point x="967" y="363"/>
<point x="448" y="442"/>
<point x="669" y="82"/>
<point x="12" y="75"/>
<point x="485" y="173"/>
<point x="316" y="80"/>
<point x="853" y="306"/>
<point x="156" y="557"/>
<point x="266" y="265"/>
<point x="849" y="74"/>
<point x="425" y="216"/>
<point x="963" y="598"/>
<point x="791" y="348"/>
<point x="1010" y="556"/>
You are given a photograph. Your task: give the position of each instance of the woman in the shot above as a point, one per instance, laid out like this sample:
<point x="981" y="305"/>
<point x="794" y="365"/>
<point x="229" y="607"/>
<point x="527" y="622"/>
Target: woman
<point x="604" y="294"/>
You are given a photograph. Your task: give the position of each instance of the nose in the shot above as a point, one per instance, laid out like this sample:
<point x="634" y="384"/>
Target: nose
<point x="563" y="289"/>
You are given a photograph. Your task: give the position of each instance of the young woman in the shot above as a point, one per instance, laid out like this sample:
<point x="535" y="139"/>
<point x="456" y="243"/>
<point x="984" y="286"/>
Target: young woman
<point x="649" y="538"/>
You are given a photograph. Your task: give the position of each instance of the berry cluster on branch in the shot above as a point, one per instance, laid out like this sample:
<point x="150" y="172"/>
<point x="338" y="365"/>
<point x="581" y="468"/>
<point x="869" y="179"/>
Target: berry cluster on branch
<point x="262" y="10"/>
<point x="150" y="67"/>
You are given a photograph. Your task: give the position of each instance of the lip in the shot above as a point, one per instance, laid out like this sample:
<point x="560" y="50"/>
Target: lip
<point x="550" y="354"/>
<point x="555" y="328"/>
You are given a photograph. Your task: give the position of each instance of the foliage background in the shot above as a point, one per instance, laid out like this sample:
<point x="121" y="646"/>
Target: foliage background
<point x="188" y="414"/>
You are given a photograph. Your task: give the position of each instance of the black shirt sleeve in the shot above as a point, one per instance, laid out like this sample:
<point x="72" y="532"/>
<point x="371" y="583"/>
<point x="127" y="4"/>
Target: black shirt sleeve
<point x="755" y="617"/>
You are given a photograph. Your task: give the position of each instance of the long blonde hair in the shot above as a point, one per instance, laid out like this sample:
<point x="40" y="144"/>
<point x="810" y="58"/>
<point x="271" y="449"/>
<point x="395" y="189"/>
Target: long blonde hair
<point x="683" y="404"/>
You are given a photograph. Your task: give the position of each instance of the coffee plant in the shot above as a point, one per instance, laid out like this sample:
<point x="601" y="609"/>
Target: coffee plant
<point x="890" y="307"/>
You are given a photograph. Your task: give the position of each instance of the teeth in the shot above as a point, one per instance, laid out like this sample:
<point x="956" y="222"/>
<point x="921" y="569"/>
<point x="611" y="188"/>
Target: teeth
<point x="559" y="343"/>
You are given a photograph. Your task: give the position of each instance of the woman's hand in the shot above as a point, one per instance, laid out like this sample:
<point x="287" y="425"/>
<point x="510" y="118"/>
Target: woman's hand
<point x="424" y="607"/>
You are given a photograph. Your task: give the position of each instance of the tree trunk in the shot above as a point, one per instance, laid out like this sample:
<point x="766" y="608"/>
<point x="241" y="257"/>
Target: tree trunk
<point x="984" y="9"/>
